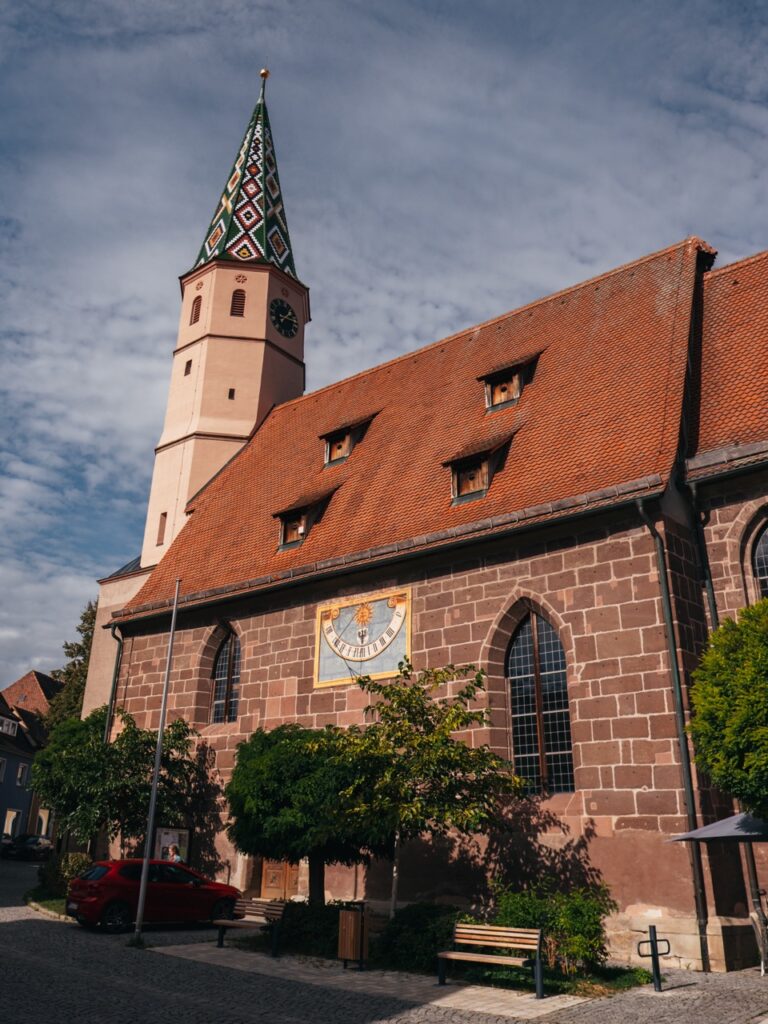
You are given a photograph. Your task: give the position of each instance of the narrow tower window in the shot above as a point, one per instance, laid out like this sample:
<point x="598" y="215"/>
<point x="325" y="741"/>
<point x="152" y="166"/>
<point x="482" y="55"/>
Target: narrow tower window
<point x="760" y="562"/>
<point x="161" y="527"/>
<point x="195" y="315"/>
<point x="231" y="395"/>
<point x="237" y="306"/>
<point x="226" y="681"/>
<point x="188" y="368"/>
<point x="541" y="721"/>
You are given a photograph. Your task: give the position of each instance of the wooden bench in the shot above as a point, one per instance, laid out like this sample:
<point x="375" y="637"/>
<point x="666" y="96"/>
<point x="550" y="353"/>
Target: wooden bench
<point x="495" y="937"/>
<point x="252" y="913"/>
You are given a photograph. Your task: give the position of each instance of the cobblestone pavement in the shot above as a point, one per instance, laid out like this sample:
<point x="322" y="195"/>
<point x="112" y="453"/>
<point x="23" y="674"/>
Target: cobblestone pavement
<point x="64" y="973"/>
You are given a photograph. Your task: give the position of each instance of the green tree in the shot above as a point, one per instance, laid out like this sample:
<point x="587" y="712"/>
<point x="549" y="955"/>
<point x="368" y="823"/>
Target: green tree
<point x="730" y="703"/>
<point x="421" y="778"/>
<point x="290" y="798"/>
<point x="68" y="703"/>
<point x="92" y="786"/>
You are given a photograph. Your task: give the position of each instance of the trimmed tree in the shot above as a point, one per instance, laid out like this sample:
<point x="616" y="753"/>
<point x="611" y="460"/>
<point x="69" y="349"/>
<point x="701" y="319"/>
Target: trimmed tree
<point x="290" y="798"/>
<point x="92" y="786"/>
<point x="422" y="778"/>
<point x="730" y="703"/>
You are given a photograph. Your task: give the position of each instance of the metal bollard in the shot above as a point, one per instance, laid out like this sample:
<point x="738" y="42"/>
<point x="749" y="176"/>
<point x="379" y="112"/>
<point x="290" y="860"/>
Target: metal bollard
<point x="654" y="954"/>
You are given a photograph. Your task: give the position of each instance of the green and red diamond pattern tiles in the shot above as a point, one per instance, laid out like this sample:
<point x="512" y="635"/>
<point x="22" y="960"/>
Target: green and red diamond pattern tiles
<point x="249" y="222"/>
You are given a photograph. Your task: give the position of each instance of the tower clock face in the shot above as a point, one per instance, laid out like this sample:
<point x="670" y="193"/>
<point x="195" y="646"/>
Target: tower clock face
<point x="283" y="318"/>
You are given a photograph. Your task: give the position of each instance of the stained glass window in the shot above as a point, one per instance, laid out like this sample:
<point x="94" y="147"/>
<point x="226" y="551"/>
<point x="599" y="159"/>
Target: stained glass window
<point x="226" y="681"/>
<point x="541" y="722"/>
<point x="761" y="562"/>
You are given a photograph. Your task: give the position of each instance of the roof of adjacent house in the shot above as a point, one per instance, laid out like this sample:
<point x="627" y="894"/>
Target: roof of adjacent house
<point x="732" y="427"/>
<point x="598" y="423"/>
<point x="33" y="691"/>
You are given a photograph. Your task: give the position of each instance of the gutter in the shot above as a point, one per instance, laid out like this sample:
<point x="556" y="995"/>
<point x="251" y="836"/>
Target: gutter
<point x="697" y="872"/>
<point x="113" y="691"/>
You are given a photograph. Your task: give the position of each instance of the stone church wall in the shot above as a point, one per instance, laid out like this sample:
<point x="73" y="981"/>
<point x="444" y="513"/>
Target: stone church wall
<point x="598" y="586"/>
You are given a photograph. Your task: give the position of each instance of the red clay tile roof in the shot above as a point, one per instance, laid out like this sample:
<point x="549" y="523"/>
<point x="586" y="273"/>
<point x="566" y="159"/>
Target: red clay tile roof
<point x="33" y="691"/>
<point x="734" y="372"/>
<point x="602" y="411"/>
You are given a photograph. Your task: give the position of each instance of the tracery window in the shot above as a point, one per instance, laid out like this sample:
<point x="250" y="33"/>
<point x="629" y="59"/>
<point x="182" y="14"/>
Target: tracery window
<point x="541" y="721"/>
<point x="760" y="562"/>
<point x="226" y="681"/>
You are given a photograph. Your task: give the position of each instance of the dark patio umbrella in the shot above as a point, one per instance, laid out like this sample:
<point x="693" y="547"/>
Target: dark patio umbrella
<point x="740" y="828"/>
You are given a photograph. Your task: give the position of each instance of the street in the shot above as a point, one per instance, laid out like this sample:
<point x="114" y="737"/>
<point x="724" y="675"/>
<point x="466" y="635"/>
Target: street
<point x="60" y="973"/>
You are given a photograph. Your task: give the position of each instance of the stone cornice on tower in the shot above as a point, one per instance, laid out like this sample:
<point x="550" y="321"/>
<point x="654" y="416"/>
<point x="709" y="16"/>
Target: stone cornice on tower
<point x="249" y="224"/>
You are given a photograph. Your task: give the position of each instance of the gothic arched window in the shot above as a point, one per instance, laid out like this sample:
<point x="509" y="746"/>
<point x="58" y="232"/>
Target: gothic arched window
<point x="237" y="305"/>
<point x="760" y="562"/>
<point x="196" y="305"/>
<point x="541" y="722"/>
<point x="226" y="681"/>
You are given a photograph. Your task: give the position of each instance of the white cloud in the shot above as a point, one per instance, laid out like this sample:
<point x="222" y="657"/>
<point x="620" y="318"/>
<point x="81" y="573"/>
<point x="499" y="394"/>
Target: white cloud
<point x="440" y="164"/>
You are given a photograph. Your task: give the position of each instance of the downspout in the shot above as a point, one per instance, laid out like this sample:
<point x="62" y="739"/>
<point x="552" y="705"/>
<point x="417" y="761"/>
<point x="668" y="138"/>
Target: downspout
<point x="714" y="618"/>
<point x="113" y="692"/>
<point x="699" y="895"/>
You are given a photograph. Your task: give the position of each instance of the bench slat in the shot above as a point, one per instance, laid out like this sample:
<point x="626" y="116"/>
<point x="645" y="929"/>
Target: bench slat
<point x="489" y="929"/>
<point x="484" y="958"/>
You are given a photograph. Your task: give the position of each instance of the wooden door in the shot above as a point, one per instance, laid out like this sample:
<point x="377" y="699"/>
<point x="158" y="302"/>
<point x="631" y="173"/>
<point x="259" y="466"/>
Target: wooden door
<point x="279" y="881"/>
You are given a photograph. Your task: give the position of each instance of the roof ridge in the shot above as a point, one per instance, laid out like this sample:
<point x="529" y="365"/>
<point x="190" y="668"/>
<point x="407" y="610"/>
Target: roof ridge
<point x="729" y="267"/>
<point x="691" y="239"/>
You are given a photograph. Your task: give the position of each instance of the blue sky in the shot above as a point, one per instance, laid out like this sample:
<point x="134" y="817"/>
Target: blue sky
<point x="441" y="163"/>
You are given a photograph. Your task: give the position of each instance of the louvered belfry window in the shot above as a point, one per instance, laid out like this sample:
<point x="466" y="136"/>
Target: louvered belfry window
<point x="541" y="722"/>
<point x="237" y="305"/>
<point x="226" y="681"/>
<point x="760" y="562"/>
<point x="196" y="305"/>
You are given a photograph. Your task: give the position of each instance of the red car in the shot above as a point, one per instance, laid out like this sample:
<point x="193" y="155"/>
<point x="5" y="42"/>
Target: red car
<point x="107" y="893"/>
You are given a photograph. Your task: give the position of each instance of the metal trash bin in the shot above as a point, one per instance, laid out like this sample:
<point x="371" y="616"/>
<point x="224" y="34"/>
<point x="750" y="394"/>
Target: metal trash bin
<point x="353" y="935"/>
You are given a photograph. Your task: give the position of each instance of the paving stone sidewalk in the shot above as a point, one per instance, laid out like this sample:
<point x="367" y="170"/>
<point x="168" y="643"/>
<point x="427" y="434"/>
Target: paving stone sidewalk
<point x="410" y="988"/>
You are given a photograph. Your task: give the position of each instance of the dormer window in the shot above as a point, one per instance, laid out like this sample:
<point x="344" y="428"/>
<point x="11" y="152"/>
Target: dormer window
<point x="473" y="468"/>
<point x="340" y="442"/>
<point x="297" y="521"/>
<point x="338" y="446"/>
<point x="503" y="387"/>
<point x="293" y="529"/>
<point x="470" y="479"/>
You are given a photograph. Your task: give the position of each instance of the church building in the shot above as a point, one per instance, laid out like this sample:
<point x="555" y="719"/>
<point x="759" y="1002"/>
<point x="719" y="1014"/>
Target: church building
<point x="568" y="496"/>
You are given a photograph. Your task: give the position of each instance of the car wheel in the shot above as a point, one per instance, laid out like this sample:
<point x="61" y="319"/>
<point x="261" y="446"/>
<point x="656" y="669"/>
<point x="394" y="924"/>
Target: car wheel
<point x="116" y="918"/>
<point x="223" y="909"/>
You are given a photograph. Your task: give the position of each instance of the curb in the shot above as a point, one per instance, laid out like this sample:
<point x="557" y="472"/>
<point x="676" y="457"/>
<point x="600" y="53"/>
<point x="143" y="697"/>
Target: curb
<point x="49" y="913"/>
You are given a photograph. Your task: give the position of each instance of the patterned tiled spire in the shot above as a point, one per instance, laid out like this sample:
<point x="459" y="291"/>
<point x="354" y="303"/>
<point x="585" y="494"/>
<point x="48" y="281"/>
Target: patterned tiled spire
<point x="249" y="222"/>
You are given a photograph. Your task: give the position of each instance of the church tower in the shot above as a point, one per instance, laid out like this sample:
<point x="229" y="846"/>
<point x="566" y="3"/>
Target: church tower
<point x="240" y="346"/>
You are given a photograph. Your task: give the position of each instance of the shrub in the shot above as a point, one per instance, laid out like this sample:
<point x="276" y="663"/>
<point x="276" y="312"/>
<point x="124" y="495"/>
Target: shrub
<point x="310" y="929"/>
<point x="55" y="874"/>
<point x="572" y="922"/>
<point x="412" y="939"/>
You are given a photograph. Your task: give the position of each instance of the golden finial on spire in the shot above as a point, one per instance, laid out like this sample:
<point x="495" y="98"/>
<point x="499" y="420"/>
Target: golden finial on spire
<point x="264" y="73"/>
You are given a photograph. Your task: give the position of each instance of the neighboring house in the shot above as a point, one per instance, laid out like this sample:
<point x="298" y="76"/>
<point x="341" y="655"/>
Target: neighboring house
<point x="33" y="692"/>
<point x="22" y="707"/>
<point x="567" y="496"/>
<point x="17" y="751"/>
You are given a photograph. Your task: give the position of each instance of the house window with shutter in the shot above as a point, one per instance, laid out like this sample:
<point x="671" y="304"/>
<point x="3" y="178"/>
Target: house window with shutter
<point x="237" y="305"/>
